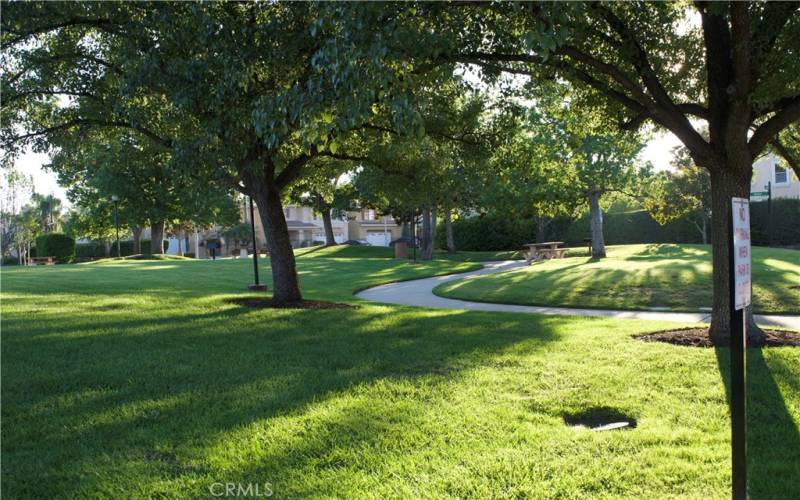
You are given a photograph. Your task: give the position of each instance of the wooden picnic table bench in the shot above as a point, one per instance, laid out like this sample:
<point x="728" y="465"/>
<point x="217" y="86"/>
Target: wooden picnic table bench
<point x="546" y="250"/>
<point x="47" y="261"/>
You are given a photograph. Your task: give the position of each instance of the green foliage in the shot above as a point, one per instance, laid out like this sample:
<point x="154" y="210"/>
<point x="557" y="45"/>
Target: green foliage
<point x="627" y="227"/>
<point x="239" y="235"/>
<point x="126" y="247"/>
<point x="92" y="250"/>
<point x="57" y="245"/>
<point x="8" y="260"/>
<point x="785" y="222"/>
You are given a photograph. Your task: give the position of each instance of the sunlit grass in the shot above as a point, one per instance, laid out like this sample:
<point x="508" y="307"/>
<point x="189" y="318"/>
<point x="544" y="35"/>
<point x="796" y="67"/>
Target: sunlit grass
<point x="635" y="277"/>
<point x="139" y="380"/>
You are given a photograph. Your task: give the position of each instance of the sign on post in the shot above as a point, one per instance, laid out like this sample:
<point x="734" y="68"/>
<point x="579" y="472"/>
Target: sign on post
<point x="739" y="300"/>
<point x="741" y="252"/>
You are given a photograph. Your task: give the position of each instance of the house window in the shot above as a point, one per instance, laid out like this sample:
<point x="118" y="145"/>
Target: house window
<point x="368" y="214"/>
<point x="781" y="175"/>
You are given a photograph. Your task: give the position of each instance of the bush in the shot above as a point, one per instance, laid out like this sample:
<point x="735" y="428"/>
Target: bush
<point x="126" y="247"/>
<point x="57" y="245"/>
<point x="785" y="222"/>
<point x="91" y="250"/>
<point x="492" y="233"/>
<point x="10" y="261"/>
<point x="189" y="255"/>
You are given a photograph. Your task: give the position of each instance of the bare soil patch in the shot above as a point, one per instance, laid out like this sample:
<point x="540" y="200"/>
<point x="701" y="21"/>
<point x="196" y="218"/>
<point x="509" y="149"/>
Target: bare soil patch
<point x="698" y="337"/>
<point x="303" y="304"/>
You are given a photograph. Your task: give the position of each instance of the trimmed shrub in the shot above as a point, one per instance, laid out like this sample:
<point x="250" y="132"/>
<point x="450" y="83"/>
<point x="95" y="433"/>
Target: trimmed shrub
<point x="91" y="250"/>
<point x="785" y="215"/>
<point x="126" y="247"/>
<point x="492" y="233"/>
<point x="10" y="261"/>
<point x="57" y="245"/>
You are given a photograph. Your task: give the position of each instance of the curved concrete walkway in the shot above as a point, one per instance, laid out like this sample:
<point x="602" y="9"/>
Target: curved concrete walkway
<point x="420" y="293"/>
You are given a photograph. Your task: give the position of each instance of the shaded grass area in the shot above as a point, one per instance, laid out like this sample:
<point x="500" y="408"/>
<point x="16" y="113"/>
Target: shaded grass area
<point x="370" y="252"/>
<point x="635" y="277"/>
<point x="138" y="379"/>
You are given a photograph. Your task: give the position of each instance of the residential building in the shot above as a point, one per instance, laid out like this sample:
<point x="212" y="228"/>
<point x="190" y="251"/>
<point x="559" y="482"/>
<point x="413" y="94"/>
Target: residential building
<point x="366" y="225"/>
<point x="306" y="228"/>
<point x="772" y="172"/>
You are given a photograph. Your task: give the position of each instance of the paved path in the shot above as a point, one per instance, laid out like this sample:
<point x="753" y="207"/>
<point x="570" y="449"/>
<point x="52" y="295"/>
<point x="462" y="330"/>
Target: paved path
<point x="420" y="293"/>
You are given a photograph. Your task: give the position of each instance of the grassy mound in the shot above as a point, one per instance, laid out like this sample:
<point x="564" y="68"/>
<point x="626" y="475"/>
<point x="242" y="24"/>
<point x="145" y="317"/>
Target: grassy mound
<point x="675" y="277"/>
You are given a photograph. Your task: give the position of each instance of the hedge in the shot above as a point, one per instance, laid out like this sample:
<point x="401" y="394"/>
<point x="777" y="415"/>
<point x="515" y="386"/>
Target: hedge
<point x="97" y="250"/>
<point x="492" y="233"/>
<point x="785" y="222"/>
<point x="57" y="245"/>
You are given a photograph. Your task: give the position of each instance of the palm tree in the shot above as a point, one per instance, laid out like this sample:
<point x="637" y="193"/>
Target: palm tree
<point x="49" y="210"/>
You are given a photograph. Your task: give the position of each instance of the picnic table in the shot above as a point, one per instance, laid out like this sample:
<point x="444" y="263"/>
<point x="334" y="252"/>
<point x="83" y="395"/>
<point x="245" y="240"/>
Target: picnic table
<point x="546" y="250"/>
<point x="47" y="261"/>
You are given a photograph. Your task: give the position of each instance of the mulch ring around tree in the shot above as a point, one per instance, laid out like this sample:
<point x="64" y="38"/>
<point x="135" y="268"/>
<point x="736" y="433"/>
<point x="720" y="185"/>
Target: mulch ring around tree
<point x="698" y="337"/>
<point x="258" y="303"/>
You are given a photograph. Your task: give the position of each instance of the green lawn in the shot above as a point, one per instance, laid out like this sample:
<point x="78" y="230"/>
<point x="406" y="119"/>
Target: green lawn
<point x="636" y="277"/>
<point x="134" y="379"/>
<point x="351" y="252"/>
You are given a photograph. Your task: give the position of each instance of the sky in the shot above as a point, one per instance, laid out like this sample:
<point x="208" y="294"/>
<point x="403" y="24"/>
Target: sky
<point x="658" y="152"/>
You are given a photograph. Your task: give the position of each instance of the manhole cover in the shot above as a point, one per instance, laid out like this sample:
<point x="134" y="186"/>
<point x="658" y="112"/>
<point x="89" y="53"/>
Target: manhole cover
<point x="600" y="418"/>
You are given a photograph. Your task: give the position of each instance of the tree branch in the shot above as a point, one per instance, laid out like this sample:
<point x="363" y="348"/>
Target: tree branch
<point x="75" y="21"/>
<point x="770" y="129"/>
<point x="787" y="155"/>
<point x="166" y="143"/>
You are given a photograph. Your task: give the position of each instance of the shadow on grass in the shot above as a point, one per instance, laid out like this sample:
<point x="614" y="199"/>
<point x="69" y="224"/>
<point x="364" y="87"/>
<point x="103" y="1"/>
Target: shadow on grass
<point x="773" y="438"/>
<point x="155" y="395"/>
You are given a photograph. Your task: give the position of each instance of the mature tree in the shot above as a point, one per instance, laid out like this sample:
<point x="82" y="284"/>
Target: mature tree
<point x="15" y="188"/>
<point x="27" y="228"/>
<point x="94" y="223"/>
<point x="733" y="65"/>
<point x="327" y="190"/>
<point x="438" y="167"/>
<point x="48" y="209"/>
<point x="684" y="192"/>
<point x="261" y="89"/>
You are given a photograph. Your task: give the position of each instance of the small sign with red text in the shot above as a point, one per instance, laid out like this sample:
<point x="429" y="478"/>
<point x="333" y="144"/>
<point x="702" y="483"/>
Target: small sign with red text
<point x="741" y="251"/>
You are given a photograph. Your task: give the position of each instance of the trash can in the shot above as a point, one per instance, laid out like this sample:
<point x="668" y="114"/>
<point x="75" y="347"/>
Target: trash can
<point x="400" y="249"/>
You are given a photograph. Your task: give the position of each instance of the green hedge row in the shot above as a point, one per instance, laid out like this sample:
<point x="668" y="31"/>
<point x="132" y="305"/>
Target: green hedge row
<point x="490" y="233"/>
<point x="57" y="245"/>
<point x="97" y="250"/>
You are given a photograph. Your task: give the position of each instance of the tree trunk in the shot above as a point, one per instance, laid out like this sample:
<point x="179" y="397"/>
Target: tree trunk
<point x="157" y="238"/>
<point x="180" y="242"/>
<point x="426" y="252"/>
<point x="330" y="240"/>
<point x="704" y="231"/>
<point x="450" y="242"/>
<point x="285" y="285"/>
<point x="724" y="186"/>
<point x="596" y="224"/>
<point x="136" y="231"/>
<point x="434" y="211"/>
<point x="107" y="248"/>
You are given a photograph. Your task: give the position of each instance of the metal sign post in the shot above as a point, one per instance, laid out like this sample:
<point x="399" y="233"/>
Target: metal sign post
<point x="739" y="300"/>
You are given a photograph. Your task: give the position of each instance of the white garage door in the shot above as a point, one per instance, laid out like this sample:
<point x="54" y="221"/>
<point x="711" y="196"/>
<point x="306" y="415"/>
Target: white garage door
<point x="380" y="239"/>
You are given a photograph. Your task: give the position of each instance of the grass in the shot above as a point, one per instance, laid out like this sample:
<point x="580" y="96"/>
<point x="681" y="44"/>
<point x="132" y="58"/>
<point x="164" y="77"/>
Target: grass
<point x="360" y="252"/>
<point x="135" y="379"/>
<point x="636" y="277"/>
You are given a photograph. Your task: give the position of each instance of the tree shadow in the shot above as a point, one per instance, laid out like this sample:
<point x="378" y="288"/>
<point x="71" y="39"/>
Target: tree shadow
<point x="138" y="390"/>
<point x="773" y="438"/>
